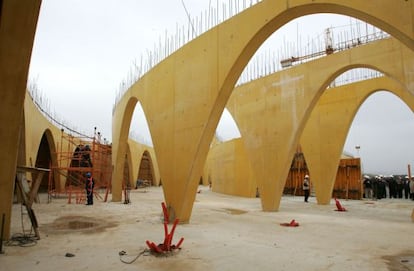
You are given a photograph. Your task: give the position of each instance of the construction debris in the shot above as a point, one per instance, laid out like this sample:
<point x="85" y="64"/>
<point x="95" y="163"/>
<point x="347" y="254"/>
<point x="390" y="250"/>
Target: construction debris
<point x="292" y="223"/>
<point x="339" y="206"/>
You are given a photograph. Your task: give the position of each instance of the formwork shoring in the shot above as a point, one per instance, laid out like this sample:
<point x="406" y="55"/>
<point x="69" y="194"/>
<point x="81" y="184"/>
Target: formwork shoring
<point x="75" y="156"/>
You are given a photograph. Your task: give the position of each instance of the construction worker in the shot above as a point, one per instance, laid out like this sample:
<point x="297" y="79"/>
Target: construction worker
<point x="306" y="187"/>
<point x="86" y="160"/>
<point x="89" y="185"/>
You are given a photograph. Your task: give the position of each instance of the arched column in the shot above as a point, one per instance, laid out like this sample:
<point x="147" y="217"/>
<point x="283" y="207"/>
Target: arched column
<point x="184" y="95"/>
<point x="284" y="101"/>
<point x="326" y="130"/>
<point x="18" y="20"/>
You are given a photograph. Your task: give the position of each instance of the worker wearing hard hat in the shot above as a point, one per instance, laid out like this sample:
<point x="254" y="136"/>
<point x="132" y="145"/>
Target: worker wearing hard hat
<point x="306" y="187"/>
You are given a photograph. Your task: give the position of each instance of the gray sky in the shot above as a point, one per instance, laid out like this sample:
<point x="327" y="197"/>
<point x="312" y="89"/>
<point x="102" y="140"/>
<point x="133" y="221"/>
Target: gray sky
<point x="84" y="49"/>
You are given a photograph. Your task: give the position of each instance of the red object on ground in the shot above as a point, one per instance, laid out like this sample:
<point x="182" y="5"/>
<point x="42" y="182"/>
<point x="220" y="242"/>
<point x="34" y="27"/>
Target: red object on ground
<point x="292" y="223"/>
<point x="166" y="246"/>
<point x="339" y="207"/>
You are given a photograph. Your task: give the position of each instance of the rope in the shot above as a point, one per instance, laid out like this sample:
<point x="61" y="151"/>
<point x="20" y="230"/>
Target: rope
<point x="22" y="240"/>
<point x="123" y="253"/>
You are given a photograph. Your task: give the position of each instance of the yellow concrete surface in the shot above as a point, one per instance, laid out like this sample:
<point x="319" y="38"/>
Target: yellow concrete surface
<point x="18" y="20"/>
<point x="326" y="130"/>
<point x="184" y="95"/>
<point x="229" y="169"/>
<point x="136" y="151"/>
<point x="284" y="100"/>
<point x="322" y="140"/>
<point x="35" y="126"/>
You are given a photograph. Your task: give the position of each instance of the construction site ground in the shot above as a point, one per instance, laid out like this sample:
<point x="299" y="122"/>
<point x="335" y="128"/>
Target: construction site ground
<point x="225" y="233"/>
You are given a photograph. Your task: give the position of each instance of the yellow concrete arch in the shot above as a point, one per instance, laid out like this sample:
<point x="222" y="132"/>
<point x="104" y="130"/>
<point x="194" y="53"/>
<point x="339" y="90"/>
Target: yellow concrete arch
<point x="322" y="140"/>
<point x="137" y="152"/>
<point x="146" y="153"/>
<point x="325" y="133"/>
<point x="50" y="138"/>
<point x="184" y="95"/>
<point x="120" y="131"/>
<point x="35" y="127"/>
<point x="285" y="100"/>
<point x="395" y="18"/>
<point x="18" y="22"/>
<point x="153" y="166"/>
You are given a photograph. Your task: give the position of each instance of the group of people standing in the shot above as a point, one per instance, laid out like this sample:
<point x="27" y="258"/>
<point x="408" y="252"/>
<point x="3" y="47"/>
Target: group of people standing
<point x="379" y="187"/>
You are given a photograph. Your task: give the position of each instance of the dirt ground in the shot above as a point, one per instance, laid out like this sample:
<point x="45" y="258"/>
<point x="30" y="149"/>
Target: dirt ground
<point x="225" y="233"/>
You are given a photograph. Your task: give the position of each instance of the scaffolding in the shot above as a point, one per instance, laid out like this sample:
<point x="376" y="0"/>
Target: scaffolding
<point x="344" y="43"/>
<point x="75" y="156"/>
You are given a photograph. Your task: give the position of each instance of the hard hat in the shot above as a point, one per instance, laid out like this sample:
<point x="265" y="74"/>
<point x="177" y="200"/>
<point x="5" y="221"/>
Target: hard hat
<point x="306" y="176"/>
<point x="88" y="174"/>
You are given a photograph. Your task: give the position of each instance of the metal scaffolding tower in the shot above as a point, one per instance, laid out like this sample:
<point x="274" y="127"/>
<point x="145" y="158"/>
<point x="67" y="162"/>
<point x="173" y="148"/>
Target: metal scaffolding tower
<point x="75" y="156"/>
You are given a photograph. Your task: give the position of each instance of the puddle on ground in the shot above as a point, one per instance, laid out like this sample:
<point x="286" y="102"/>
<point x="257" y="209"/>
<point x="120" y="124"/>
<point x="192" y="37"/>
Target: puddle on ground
<point x="67" y="224"/>
<point x="78" y="225"/>
<point x="235" y="211"/>
<point x="400" y="262"/>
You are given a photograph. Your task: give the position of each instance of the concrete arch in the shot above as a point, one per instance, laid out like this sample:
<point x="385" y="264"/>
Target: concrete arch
<point x="333" y="115"/>
<point x="230" y="123"/>
<point x="324" y="135"/>
<point x="46" y="156"/>
<point x="17" y="30"/>
<point x="323" y="130"/>
<point x="121" y="146"/>
<point x="285" y="100"/>
<point x="37" y="126"/>
<point x="146" y="168"/>
<point x="380" y="17"/>
<point x="137" y="152"/>
<point x="210" y="66"/>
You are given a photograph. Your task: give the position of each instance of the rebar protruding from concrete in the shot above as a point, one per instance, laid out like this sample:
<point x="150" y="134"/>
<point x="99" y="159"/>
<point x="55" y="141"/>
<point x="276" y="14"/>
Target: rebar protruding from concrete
<point x="166" y="246"/>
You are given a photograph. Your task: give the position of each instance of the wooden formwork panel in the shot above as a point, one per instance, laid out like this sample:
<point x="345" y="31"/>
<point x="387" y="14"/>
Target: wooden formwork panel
<point x="348" y="183"/>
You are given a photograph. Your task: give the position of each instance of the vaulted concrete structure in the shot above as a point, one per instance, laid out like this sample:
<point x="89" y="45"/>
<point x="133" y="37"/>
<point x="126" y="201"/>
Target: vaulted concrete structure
<point x="326" y="130"/>
<point x="284" y="101"/>
<point x="322" y="140"/>
<point x="184" y="95"/>
<point x="36" y="130"/>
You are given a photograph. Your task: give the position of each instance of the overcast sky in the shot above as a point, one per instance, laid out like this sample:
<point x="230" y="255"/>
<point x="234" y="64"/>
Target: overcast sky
<point x="84" y="49"/>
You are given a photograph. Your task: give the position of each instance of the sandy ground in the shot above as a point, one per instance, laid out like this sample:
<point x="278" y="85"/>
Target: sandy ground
<point x="225" y="233"/>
